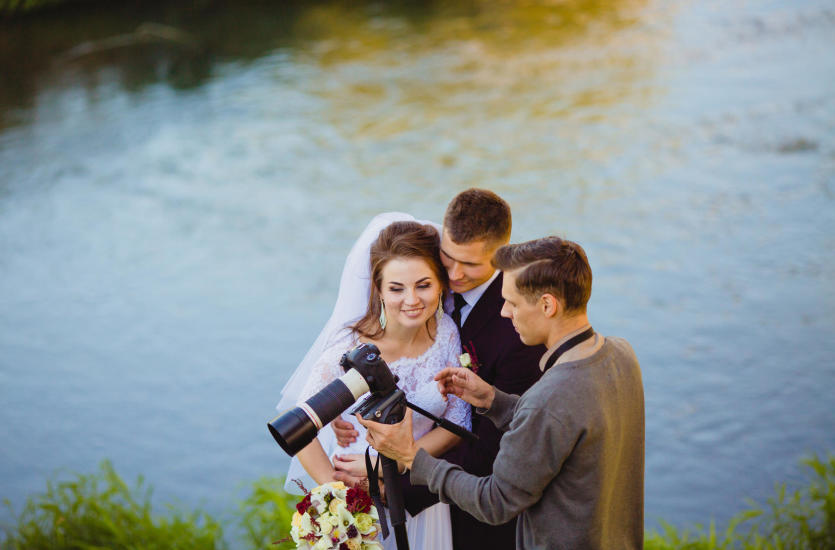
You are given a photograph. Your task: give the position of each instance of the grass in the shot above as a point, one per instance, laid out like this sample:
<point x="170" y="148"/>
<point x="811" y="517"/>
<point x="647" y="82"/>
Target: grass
<point x="803" y="519"/>
<point x="100" y="511"/>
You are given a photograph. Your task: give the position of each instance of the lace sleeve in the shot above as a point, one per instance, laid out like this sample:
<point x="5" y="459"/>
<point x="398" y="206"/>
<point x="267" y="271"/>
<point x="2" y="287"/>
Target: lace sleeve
<point x="457" y="410"/>
<point x="326" y="369"/>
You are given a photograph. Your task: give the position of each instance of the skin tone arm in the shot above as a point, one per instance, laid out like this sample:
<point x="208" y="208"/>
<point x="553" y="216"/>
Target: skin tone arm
<point x="344" y="431"/>
<point x="467" y="385"/>
<point x="315" y="461"/>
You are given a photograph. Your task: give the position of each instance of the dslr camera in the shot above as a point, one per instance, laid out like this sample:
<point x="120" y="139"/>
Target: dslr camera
<point x="365" y="371"/>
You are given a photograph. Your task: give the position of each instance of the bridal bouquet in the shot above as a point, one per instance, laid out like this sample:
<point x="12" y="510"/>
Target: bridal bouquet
<point x="334" y="517"/>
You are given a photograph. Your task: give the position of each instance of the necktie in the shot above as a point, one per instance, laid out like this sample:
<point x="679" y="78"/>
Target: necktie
<point x="460" y="302"/>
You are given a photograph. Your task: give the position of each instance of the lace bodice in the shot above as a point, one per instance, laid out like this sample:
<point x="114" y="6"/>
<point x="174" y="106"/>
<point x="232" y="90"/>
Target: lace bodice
<point x="416" y="380"/>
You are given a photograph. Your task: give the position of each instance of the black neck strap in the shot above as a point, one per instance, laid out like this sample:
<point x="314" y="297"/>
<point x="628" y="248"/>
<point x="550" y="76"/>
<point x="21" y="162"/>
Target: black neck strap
<point x="567" y="345"/>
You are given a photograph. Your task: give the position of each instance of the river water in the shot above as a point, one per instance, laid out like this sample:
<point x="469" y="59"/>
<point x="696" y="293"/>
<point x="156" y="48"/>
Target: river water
<point x="174" y="213"/>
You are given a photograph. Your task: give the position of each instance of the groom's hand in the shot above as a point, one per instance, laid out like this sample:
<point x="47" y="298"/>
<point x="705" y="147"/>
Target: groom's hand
<point x="467" y="385"/>
<point x="392" y="440"/>
<point x="344" y="431"/>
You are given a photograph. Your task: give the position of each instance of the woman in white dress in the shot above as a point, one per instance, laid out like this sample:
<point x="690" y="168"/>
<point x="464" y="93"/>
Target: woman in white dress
<point x="402" y="284"/>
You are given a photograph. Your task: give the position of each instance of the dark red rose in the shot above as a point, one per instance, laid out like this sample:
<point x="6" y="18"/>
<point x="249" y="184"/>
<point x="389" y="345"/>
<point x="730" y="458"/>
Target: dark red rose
<point x="344" y="546"/>
<point x="352" y="531"/>
<point x="474" y="364"/>
<point x="304" y="504"/>
<point x="358" y="500"/>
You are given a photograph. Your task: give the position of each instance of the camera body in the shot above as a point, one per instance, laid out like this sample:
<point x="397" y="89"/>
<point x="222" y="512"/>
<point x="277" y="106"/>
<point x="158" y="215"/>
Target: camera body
<point x="387" y="402"/>
<point x="365" y="371"/>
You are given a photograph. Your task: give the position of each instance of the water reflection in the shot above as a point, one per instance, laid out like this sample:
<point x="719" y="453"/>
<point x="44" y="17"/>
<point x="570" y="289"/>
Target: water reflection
<point x="76" y="44"/>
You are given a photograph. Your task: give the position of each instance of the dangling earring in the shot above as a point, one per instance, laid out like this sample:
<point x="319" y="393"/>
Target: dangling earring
<point x="382" y="314"/>
<point x="439" y="314"/>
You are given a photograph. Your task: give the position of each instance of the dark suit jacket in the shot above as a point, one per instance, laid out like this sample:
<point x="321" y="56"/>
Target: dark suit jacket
<point x="511" y="366"/>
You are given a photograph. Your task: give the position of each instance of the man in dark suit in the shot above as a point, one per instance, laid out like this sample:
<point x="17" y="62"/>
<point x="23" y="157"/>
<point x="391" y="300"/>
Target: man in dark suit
<point x="477" y="222"/>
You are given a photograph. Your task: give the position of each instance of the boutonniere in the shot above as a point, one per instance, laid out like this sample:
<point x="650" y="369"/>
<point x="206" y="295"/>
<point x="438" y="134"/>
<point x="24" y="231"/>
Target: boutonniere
<point x="469" y="359"/>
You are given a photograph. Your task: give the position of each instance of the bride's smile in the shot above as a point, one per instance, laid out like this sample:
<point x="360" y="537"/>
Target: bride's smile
<point x="410" y="291"/>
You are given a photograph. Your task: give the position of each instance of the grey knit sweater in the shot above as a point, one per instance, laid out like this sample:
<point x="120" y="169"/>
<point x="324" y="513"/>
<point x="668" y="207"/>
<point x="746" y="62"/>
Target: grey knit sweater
<point x="571" y="461"/>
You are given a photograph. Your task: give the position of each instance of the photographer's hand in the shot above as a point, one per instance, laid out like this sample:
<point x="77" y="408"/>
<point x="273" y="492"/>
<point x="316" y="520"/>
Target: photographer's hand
<point x="467" y="385"/>
<point x="393" y="440"/>
<point x="344" y="431"/>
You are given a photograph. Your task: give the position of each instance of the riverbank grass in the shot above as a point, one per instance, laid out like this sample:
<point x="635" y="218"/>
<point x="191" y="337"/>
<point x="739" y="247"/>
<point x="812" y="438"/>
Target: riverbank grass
<point x="803" y="519"/>
<point x="100" y="511"/>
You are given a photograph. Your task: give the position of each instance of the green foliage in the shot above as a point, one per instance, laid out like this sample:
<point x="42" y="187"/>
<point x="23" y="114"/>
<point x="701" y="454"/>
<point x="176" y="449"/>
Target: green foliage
<point x="266" y="513"/>
<point x="800" y="520"/>
<point x="101" y="511"/>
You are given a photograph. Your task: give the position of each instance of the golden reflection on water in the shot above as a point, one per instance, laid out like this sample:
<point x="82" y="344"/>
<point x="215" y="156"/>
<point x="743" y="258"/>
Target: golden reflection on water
<point x="479" y="94"/>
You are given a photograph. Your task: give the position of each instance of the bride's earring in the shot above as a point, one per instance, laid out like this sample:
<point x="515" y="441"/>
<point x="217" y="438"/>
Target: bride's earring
<point x="439" y="314"/>
<point x="382" y="314"/>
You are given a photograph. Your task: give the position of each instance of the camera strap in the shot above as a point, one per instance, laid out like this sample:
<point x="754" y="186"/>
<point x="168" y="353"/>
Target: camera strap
<point x="374" y="490"/>
<point x="582" y="337"/>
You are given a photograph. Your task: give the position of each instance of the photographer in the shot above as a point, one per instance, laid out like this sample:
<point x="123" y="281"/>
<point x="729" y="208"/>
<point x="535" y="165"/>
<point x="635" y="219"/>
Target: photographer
<point x="571" y="460"/>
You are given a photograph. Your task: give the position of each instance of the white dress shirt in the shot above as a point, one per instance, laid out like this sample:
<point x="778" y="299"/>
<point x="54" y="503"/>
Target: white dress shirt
<point x="471" y="297"/>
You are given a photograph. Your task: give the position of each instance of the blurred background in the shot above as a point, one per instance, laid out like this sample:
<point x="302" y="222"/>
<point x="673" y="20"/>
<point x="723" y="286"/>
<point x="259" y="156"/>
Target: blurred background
<point x="180" y="183"/>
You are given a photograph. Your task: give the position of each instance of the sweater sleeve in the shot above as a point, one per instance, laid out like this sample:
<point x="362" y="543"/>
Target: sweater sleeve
<point x="501" y="411"/>
<point x="530" y="456"/>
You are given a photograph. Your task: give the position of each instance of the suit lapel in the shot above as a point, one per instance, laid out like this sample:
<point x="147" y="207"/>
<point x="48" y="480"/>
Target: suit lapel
<point x="484" y="310"/>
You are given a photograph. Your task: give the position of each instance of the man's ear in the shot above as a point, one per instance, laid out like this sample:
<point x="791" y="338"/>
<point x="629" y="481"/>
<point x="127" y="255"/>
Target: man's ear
<point x="550" y="305"/>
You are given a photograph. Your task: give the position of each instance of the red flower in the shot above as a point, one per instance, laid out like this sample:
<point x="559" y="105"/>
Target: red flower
<point x="474" y="364"/>
<point x="304" y="504"/>
<point x="358" y="500"/>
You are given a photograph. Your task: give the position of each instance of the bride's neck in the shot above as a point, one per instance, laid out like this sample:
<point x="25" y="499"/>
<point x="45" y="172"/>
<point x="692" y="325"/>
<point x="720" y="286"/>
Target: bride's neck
<point x="405" y="336"/>
<point x="400" y="341"/>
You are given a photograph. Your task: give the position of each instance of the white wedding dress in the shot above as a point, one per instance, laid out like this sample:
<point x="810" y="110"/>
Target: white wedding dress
<point x="430" y="529"/>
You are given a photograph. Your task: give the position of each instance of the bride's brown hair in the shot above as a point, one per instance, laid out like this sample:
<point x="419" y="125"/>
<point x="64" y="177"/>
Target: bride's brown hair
<point x="399" y="240"/>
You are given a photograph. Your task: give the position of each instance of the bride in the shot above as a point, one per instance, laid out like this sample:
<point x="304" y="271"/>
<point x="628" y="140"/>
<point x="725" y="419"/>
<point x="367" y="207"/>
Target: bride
<point x="391" y="295"/>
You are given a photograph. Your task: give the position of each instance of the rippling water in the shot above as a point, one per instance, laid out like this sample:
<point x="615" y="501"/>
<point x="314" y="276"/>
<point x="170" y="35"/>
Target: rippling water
<point x="173" y="220"/>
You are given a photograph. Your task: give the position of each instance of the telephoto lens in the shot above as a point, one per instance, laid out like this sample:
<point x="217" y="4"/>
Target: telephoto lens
<point x="296" y="428"/>
<point x="365" y="371"/>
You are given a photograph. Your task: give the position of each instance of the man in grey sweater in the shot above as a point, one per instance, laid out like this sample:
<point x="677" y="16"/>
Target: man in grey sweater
<point x="571" y="460"/>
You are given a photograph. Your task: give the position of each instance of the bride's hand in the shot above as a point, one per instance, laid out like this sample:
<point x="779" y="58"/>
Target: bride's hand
<point x="351" y="481"/>
<point x="344" y="431"/>
<point x="352" y="464"/>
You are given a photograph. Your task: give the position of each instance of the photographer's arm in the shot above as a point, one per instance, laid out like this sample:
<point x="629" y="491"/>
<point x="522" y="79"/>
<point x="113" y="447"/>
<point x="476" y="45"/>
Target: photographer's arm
<point x="436" y="442"/>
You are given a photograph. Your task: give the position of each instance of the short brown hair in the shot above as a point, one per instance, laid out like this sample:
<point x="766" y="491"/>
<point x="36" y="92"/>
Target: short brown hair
<point x="550" y="265"/>
<point x="478" y="214"/>
<point x="402" y="239"/>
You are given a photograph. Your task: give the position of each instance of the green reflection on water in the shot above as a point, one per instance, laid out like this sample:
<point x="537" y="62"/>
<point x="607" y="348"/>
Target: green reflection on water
<point x="487" y="48"/>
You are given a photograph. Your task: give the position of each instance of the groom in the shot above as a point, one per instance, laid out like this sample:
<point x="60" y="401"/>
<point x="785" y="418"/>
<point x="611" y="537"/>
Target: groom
<point x="477" y="223"/>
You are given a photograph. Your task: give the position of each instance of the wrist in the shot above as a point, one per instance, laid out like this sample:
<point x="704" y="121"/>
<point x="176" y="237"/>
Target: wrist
<point x="488" y="401"/>
<point x="409" y="459"/>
